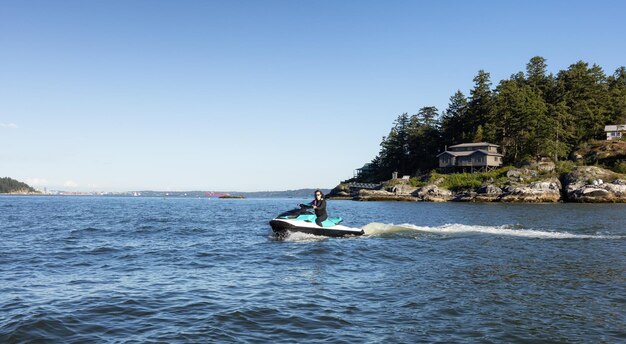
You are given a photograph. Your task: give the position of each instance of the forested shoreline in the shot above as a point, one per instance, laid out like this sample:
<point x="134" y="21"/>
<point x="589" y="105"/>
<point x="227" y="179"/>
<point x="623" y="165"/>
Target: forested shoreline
<point x="9" y="185"/>
<point x="530" y="115"/>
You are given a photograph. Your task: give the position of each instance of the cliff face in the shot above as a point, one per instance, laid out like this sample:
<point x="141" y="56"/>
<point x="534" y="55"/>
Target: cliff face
<point x="525" y="185"/>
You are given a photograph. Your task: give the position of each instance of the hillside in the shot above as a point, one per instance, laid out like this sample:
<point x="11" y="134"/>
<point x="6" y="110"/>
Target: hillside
<point x="12" y="186"/>
<point x="611" y="154"/>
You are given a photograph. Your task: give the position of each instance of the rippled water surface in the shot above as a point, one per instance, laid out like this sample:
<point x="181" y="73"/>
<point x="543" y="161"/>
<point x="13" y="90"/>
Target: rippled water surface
<point x="96" y="269"/>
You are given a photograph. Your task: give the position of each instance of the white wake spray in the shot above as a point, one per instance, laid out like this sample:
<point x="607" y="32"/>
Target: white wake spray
<point x="302" y="237"/>
<point x="376" y="228"/>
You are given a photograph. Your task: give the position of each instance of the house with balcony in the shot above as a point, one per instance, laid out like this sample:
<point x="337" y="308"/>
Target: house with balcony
<point x="367" y="168"/>
<point x="472" y="157"/>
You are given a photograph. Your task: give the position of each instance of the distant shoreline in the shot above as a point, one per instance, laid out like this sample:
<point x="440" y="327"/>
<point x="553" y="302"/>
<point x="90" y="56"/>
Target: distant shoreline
<point x="299" y="193"/>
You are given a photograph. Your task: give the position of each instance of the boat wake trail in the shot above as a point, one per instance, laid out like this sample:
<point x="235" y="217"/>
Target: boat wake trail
<point x="379" y="229"/>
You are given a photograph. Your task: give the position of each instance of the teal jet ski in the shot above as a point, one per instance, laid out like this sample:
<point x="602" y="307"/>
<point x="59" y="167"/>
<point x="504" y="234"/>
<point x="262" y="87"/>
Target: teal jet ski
<point x="302" y="220"/>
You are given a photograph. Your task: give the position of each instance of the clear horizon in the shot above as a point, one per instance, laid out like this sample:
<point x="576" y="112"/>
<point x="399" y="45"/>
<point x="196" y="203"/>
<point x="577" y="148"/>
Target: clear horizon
<point x="253" y="96"/>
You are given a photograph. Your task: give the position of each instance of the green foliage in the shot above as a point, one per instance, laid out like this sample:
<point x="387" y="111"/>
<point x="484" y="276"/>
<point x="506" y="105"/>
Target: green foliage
<point x="8" y="185"/>
<point x="454" y="124"/>
<point x="620" y="167"/>
<point x="461" y="181"/>
<point x="617" y="96"/>
<point x="565" y="166"/>
<point x="469" y="181"/>
<point x="480" y="107"/>
<point x="529" y="115"/>
<point x="416" y="182"/>
<point x="412" y="144"/>
<point x="479" y="135"/>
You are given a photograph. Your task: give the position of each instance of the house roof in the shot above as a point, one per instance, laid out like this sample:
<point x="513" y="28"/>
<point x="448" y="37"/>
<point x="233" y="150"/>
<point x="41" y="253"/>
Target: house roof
<point x="479" y="144"/>
<point x="468" y="153"/>
<point x="456" y="154"/>
<point x="486" y="153"/>
<point x="616" y="127"/>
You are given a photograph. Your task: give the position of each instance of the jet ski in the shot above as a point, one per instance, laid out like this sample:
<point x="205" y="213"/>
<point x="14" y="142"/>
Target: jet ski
<point x="302" y="220"/>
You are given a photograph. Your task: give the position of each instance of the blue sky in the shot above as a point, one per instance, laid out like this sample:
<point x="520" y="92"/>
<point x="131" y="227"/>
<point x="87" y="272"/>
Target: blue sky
<point x="254" y="95"/>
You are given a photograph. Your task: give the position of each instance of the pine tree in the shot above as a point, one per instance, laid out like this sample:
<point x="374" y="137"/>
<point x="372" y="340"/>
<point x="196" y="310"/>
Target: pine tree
<point x="479" y="109"/>
<point x="536" y="75"/>
<point x="584" y="90"/>
<point x="394" y="147"/>
<point x="617" y="97"/>
<point x="424" y="140"/>
<point x="558" y="124"/>
<point x="520" y="109"/>
<point x="454" y="124"/>
<point x="428" y="116"/>
<point x="478" y="135"/>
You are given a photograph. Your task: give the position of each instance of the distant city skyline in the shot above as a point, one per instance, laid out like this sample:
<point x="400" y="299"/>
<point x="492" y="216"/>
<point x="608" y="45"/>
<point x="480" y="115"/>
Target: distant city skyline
<point x="254" y="95"/>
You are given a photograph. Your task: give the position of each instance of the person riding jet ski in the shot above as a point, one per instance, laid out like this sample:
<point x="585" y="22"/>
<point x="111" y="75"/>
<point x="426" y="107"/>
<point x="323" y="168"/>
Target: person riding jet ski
<point x="319" y="205"/>
<point x="302" y="220"/>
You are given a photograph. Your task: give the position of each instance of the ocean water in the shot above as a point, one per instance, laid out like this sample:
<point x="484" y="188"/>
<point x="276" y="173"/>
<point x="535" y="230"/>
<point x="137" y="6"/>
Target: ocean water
<point x="178" y="270"/>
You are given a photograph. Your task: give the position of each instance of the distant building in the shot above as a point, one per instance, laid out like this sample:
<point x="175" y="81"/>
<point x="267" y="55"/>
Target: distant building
<point x="615" y="131"/>
<point x="481" y="156"/>
<point x="365" y="169"/>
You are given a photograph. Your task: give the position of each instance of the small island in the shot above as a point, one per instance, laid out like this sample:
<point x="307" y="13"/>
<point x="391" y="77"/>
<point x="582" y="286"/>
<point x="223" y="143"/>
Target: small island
<point x="14" y="187"/>
<point x="535" y="137"/>
<point x="232" y="196"/>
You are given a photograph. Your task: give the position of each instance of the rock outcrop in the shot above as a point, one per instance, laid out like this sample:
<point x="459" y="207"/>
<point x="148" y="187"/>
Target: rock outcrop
<point x="341" y="191"/>
<point x="382" y="195"/>
<point x="591" y="184"/>
<point x="432" y="193"/>
<point x="544" y="191"/>
<point x="487" y="193"/>
<point x="524" y="185"/>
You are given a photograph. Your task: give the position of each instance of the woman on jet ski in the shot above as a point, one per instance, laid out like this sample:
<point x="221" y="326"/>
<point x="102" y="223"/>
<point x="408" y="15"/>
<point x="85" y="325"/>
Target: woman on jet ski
<point x="319" y="205"/>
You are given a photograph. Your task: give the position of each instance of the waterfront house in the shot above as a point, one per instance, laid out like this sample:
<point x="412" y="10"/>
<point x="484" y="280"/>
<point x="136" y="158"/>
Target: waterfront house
<point x="480" y="156"/>
<point x="614" y="132"/>
<point x="363" y="170"/>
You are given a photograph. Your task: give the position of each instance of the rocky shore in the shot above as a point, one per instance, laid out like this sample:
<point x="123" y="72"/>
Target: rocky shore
<point x="583" y="184"/>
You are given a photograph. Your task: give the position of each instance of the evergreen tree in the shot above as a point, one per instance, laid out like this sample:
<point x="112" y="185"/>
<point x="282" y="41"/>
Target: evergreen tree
<point x="454" y="124"/>
<point x="617" y="97"/>
<point x="424" y="140"/>
<point x="479" y="109"/>
<point x="584" y="91"/>
<point x="520" y="110"/>
<point x="558" y="125"/>
<point x="536" y="75"/>
<point x="428" y="116"/>
<point x="478" y="135"/>
<point x="395" y="146"/>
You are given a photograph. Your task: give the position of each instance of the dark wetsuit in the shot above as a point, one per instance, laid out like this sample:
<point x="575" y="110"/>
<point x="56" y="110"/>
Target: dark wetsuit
<point x="320" y="211"/>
